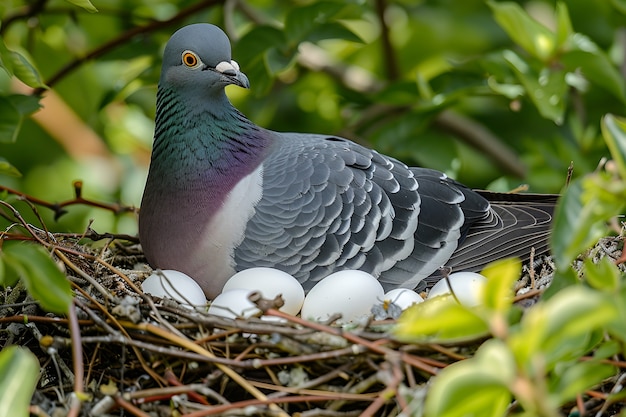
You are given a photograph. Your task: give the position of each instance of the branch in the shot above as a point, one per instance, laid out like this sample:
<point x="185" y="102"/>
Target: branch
<point x="481" y="138"/>
<point x="58" y="208"/>
<point x="27" y="12"/>
<point x="391" y="63"/>
<point x="464" y="128"/>
<point x="123" y="38"/>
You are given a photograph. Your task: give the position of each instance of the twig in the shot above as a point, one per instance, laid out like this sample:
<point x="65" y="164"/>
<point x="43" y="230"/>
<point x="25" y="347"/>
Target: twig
<point x="77" y="358"/>
<point x="32" y="9"/>
<point x="172" y="380"/>
<point x="58" y="208"/>
<point x="183" y="342"/>
<point x="129" y="407"/>
<point x="241" y="405"/>
<point x="92" y="281"/>
<point x="570" y="173"/>
<point x="304" y="391"/>
<point x="124" y="38"/>
<point x="481" y="138"/>
<point x="388" y="393"/>
<point x="389" y="55"/>
<point x="351" y="337"/>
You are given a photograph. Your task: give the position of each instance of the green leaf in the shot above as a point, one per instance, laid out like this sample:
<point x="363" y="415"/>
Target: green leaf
<point x="525" y="31"/>
<point x="547" y="89"/>
<point x="577" y="310"/>
<point x="440" y="319"/>
<point x="6" y="60"/>
<point x="253" y="45"/>
<point x="85" y="4"/>
<point x="563" y="278"/>
<point x="13" y="109"/>
<point x="501" y="275"/>
<point x="564" y="29"/>
<point x="19" y="372"/>
<point x="10" y="121"/>
<point x="577" y="225"/>
<point x="25" y="71"/>
<point x="276" y="61"/>
<point x="25" y="104"/>
<point x="510" y="91"/>
<point x="15" y="64"/>
<point x="301" y="21"/>
<point x="474" y="387"/>
<point x="563" y="327"/>
<point x="6" y="279"/>
<point x="604" y="275"/>
<point x="614" y="134"/>
<point x="332" y="30"/>
<point x="41" y="276"/>
<point x="607" y="349"/>
<point x="578" y="377"/>
<point x="259" y="55"/>
<point x="7" y="169"/>
<point x="570" y="318"/>
<point x="596" y="66"/>
<point x="618" y="326"/>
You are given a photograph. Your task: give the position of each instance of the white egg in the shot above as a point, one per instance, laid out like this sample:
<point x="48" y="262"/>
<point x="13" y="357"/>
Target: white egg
<point x="234" y="304"/>
<point x="403" y="297"/>
<point x="270" y="282"/>
<point x="350" y="293"/>
<point x="467" y="286"/>
<point x="175" y="285"/>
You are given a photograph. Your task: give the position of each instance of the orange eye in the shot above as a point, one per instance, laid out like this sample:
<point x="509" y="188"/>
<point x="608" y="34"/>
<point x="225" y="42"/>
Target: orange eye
<point x="190" y="59"/>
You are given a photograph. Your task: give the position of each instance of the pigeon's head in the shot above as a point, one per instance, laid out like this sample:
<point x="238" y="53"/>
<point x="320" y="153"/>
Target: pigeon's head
<point x="198" y="57"/>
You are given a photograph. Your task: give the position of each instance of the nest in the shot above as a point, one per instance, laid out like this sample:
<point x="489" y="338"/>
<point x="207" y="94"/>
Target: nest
<point x="143" y="356"/>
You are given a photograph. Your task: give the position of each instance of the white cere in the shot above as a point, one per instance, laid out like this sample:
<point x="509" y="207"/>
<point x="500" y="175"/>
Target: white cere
<point x="227" y="67"/>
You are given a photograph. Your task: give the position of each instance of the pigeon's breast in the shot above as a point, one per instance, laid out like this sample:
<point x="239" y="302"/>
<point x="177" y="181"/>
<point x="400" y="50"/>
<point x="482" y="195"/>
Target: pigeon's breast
<point x="225" y="231"/>
<point x="195" y="230"/>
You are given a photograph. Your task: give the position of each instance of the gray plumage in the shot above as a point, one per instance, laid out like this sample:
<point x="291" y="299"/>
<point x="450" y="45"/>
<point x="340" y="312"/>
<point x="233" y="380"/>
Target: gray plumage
<point x="224" y="195"/>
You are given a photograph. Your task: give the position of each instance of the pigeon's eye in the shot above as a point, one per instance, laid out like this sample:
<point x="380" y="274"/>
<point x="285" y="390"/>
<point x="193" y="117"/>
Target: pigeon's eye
<point x="190" y="59"/>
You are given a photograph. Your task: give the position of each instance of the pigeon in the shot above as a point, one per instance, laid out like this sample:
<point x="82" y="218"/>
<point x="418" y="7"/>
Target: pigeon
<point x="223" y="194"/>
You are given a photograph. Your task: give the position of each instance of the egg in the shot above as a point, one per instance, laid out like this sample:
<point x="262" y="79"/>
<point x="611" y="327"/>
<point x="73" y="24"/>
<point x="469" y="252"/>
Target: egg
<point x="403" y="297"/>
<point x="234" y="304"/>
<point x="467" y="286"/>
<point x="175" y="285"/>
<point x="350" y="293"/>
<point x="270" y="282"/>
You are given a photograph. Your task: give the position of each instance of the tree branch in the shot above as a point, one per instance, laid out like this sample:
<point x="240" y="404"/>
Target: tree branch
<point x="123" y="38"/>
<point x="464" y="128"/>
<point x="391" y="63"/>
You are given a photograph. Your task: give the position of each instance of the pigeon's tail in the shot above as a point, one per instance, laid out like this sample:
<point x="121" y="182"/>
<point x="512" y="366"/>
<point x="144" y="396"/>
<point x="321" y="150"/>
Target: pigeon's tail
<point x="517" y="223"/>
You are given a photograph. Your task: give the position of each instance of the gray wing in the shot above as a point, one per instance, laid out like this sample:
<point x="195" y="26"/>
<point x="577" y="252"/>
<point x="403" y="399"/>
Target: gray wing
<point x="515" y="224"/>
<point x="329" y="204"/>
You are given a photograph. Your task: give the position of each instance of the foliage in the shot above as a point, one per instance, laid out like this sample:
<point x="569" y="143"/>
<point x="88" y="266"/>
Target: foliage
<point x="492" y="93"/>
<point x="557" y="348"/>
<point x="19" y="370"/>
<point x="31" y="264"/>
<point x="482" y="91"/>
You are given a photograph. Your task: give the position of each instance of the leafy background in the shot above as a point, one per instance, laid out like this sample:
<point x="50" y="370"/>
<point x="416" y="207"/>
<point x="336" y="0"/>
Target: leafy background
<point x="480" y="90"/>
<point x="496" y="94"/>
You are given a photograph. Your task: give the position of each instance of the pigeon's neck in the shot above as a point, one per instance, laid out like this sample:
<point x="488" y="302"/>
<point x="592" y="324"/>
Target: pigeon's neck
<point x="205" y="143"/>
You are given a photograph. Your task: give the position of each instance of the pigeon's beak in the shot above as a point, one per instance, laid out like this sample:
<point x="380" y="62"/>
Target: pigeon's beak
<point x="232" y="71"/>
<point x="241" y="80"/>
